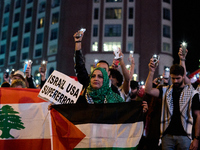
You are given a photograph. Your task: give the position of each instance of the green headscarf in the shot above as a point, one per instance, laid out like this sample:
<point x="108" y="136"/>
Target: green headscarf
<point x="99" y="95"/>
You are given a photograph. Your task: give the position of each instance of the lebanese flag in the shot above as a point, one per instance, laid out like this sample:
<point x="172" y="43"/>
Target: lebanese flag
<point x="97" y="126"/>
<point x="24" y="120"/>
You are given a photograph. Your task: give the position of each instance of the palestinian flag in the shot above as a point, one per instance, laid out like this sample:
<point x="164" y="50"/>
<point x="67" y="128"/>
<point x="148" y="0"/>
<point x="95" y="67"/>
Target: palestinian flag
<point x="24" y="120"/>
<point x="97" y="126"/>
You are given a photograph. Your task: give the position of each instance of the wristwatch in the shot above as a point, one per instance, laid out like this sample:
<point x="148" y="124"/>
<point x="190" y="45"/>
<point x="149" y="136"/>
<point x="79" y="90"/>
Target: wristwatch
<point x="197" y="137"/>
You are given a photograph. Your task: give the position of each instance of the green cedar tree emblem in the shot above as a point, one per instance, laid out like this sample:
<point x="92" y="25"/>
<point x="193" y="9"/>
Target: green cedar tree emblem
<point x="9" y="120"/>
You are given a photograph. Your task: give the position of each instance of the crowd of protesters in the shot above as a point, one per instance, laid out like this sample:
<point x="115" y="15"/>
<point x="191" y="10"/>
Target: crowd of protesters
<point x="171" y="105"/>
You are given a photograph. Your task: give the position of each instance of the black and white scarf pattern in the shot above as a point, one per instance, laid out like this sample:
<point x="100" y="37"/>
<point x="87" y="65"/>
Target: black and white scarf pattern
<point x="185" y="102"/>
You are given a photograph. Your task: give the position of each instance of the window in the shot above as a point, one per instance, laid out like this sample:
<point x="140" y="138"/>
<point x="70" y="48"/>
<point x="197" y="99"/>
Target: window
<point x="16" y="17"/>
<point x="55" y="18"/>
<point x="130" y="46"/>
<point x="166" y="31"/>
<point x="39" y="38"/>
<point x="27" y="27"/>
<point x="113" y="30"/>
<point x="130" y="14"/>
<point x="108" y="46"/>
<point x="38" y="52"/>
<point x="18" y="3"/>
<point x="54" y="34"/>
<point x="40" y="22"/>
<point x="51" y="70"/>
<point x="5" y="21"/>
<point x="130" y="30"/>
<point x="25" y="56"/>
<point x="96" y="13"/>
<point x="3" y="49"/>
<point x="55" y="3"/>
<point x="113" y="0"/>
<point x="42" y="6"/>
<point x="131" y="0"/>
<point x="29" y="1"/>
<point x="113" y="13"/>
<point x="7" y="8"/>
<point x="15" y="31"/>
<point x="1" y="62"/>
<point x="166" y="13"/>
<point x="95" y="30"/>
<point x="14" y="46"/>
<point x="166" y="47"/>
<point x="95" y="46"/>
<point x="12" y="59"/>
<point x="26" y="42"/>
<point x="167" y="1"/>
<point x="53" y="49"/>
<point x="28" y="12"/>
<point x="4" y="35"/>
<point x="96" y="1"/>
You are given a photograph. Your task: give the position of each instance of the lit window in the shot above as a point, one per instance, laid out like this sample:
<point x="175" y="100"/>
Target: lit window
<point x="27" y="27"/>
<point x="28" y="12"/>
<point x="39" y="38"/>
<point x="54" y="34"/>
<point x="55" y="18"/>
<point x="40" y="22"/>
<point x="14" y="46"/>
<point x="95" y="46"/>
<point x="113" y="13"/>
<point x="166" y="13"/>
<point x="95" y="30"/>
<point x="166" y="31"/>
<point x="109" y="46"/>
<point x="112" y="30"/>
<point x="26" y="42"/>
<point x="3" y="49"/>
<point x="166" y="47"/>
<point x="53" y="49"/>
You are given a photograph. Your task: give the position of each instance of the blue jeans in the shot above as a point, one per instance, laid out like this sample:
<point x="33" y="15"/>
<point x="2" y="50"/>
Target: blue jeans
<point x="172" y="142"/>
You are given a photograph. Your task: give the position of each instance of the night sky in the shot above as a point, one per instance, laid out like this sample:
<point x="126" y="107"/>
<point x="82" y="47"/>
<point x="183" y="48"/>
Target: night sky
<point x="186" y="27"/>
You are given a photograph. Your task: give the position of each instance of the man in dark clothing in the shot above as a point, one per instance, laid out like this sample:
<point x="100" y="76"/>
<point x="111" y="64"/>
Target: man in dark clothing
<point x="180" y="103"/>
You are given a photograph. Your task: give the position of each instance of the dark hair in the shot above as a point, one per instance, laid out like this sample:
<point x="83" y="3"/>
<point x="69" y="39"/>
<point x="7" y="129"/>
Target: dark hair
<point x="177" y="69"/>
<point x="116" y="74"/>
<point x="103" y="61"/>
<point x="134" y="84"/>
<point x="5" y="84"/>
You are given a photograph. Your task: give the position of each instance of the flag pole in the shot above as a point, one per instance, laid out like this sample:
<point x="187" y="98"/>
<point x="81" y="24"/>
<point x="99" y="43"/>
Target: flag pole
<point x="51" y="134"/>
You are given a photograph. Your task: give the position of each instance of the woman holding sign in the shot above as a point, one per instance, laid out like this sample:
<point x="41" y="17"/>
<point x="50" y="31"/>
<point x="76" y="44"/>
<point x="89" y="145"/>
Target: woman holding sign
<point x="98" y="90"/>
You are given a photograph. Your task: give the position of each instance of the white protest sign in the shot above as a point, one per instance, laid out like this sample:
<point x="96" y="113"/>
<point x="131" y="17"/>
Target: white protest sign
<point x="60" y="89"/>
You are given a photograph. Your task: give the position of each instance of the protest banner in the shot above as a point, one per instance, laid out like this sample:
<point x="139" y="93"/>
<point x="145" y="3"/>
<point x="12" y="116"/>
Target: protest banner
<point x="60" y="89"/>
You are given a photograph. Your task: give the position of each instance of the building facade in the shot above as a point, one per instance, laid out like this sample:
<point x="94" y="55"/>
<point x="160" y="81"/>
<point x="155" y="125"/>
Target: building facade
<point x="43" y="30"/>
